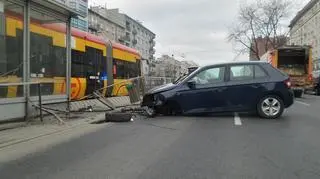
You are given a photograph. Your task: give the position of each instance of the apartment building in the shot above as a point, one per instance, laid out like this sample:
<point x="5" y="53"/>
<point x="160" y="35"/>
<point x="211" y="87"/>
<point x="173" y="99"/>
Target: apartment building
<point x="305" y="27"/>
<point x="122" y="28"/>
<point x="107" y="24"/>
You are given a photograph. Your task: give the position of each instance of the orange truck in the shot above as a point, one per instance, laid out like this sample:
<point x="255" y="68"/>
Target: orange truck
<point x="296" y="61"/>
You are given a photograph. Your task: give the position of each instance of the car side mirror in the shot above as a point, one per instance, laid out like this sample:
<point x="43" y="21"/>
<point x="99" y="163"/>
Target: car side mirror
<point x="191" y="84"/>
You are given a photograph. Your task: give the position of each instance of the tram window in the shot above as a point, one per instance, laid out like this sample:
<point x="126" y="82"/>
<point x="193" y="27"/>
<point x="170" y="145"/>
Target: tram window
<point x="40" y="54"/>
<point x="89" y="56"/>
<point x="11" y="45"/>
<point x="46" y="60"/>
<point x="14" y="58"/>
<point x="58" y="60"/>
<point x="77" y="56"/>
<point x="101" y="61"/>
<point x="120" y="69"/>
<point x="126" y="69"/>
<point x="77" y="70"/>
<point x="78" y="66"/>
<point x="93" y="61"/>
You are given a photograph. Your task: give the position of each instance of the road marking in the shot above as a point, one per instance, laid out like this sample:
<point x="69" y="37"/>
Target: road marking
<point x="237" y="120"/>
<point x="303" y="103"/>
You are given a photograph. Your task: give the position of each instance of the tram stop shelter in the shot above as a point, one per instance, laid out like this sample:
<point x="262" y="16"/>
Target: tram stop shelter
<point x="33" y="53"/>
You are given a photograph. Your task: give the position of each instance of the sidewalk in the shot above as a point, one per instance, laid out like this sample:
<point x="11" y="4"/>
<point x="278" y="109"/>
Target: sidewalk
<point x="19" y="132"/>
<point x="23" y="132"/>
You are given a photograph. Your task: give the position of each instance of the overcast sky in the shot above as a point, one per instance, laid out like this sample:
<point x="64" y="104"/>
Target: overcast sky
<point x="195" y="28"/>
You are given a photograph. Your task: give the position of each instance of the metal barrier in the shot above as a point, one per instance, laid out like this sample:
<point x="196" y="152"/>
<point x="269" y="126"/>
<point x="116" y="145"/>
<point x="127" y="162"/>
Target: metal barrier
<point x="152" y="82"/>
<point x="45" y="94"/>
<point x="136" y="87"/>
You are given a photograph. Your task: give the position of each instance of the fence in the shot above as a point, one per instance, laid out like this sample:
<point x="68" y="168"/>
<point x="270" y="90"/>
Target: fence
<point x="152" y="82"/>
<point x="46" y="93"/>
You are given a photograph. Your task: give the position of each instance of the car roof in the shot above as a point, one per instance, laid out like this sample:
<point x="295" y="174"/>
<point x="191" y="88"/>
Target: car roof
<point x="235" y="63"/>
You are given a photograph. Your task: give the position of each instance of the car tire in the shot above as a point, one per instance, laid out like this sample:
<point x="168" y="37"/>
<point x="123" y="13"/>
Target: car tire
<point x="118" y="117"/>
<point x="270" y="107"/>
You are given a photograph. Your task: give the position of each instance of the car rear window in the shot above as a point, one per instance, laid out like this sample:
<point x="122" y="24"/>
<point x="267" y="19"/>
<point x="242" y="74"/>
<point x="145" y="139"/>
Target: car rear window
<point x="259" y="72"/>
<point x="281" y="72"/>
<point x="246" y="72"/>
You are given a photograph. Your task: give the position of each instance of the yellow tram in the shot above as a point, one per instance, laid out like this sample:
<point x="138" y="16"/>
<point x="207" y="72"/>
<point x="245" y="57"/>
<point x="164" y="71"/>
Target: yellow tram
<point x="92" y="56"/>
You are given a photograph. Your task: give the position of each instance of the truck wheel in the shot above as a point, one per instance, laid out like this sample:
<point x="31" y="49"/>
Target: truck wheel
<point x="298" y="93"/>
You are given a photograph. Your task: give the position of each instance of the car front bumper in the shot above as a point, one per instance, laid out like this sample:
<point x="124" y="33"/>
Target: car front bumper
<point x="152" y="100"/>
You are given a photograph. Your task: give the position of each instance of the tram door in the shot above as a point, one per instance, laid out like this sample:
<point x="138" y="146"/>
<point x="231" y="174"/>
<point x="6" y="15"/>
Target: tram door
<point x="96" y="69"/>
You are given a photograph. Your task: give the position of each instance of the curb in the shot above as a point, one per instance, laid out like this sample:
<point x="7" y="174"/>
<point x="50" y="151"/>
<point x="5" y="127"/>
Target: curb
<point x="8" y="126"/>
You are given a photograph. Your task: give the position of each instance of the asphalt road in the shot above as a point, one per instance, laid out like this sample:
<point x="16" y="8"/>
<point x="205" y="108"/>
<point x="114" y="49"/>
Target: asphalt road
<point x="220" y="147"/>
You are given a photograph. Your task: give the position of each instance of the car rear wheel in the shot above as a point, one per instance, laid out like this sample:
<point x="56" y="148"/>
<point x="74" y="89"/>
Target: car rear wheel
<point x="270" y="107"/>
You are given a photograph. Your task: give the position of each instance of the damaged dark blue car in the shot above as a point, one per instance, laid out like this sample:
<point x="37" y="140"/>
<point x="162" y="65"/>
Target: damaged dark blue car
<point x="229" y="87"/>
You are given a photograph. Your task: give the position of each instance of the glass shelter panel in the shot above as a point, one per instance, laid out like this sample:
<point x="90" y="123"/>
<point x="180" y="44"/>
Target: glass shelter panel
<point x="11" y="49"/>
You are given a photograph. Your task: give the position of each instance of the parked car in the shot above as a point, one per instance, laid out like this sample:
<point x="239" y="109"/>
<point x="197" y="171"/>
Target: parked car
<point x="228" y="87"/>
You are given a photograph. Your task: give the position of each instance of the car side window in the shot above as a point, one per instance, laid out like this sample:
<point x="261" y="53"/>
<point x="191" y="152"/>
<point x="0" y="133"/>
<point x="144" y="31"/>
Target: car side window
<point x="210" y="76"/>
<point x="259" y="72"/>
<point x="241" y="72"/>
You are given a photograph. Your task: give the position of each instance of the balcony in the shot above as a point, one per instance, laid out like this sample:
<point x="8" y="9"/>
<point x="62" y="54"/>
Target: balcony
<point x="134" y="41"/>
<point x="121" y="39"/>
<point x="124" y="38"/>
<point x="127" y="38"/>
<point x="152" y="51"/>
<point x="94" y="26"/>
<point x="128" y="27"/>
<point x="134" y="32"/>
<point x="152" y="42"/>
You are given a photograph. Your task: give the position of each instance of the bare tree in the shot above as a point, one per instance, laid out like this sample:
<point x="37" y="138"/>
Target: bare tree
<point x="261" y="19"/>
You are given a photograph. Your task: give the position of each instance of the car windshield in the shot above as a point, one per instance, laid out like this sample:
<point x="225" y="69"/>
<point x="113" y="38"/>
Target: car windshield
<point x="180" y="78"/>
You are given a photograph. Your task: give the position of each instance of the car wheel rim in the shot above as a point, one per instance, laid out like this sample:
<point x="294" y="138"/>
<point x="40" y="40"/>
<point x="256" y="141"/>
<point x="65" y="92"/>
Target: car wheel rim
<point x="271" y="107"/>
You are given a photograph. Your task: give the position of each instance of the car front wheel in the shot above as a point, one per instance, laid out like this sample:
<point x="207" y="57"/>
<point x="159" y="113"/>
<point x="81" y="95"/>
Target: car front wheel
<point x="270" y="107"/>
